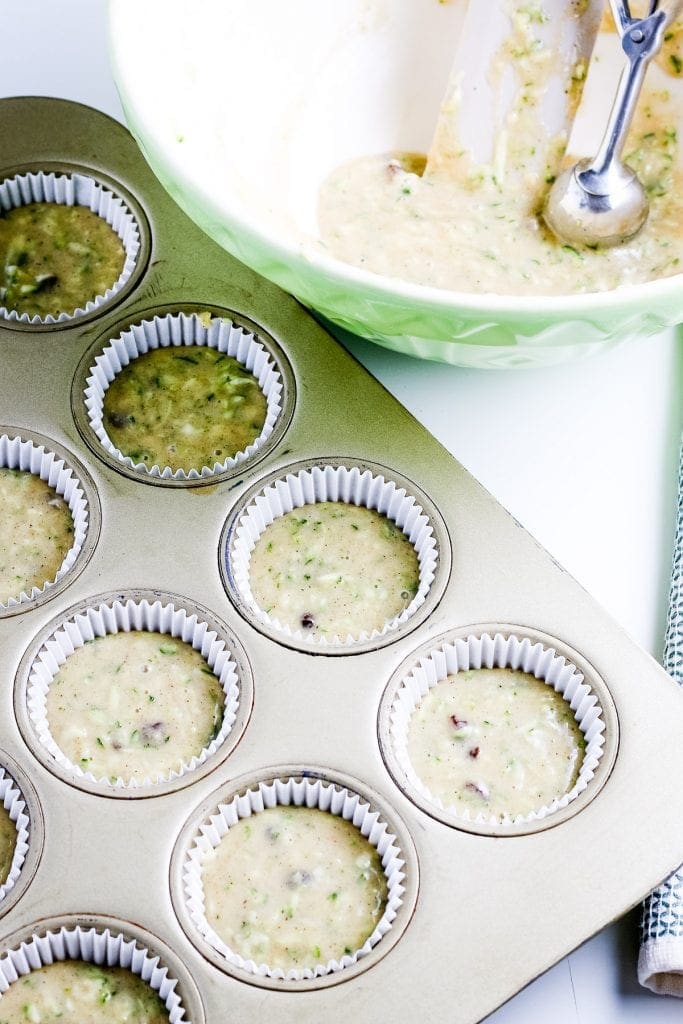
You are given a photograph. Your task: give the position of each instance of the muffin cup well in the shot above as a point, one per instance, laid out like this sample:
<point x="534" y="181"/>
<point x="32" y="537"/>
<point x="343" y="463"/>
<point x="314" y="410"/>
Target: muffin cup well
<point x="107" y="945"/>
<point x="349" y="484"/>
<point x="30" y="454"/>
<point x="75" y="189"/>
<point x="509" y="650"/>
<point x="183" y="330"/>
<point x="164" y="616"/>
<point x="13" y="801"/>
<point x="307" y="789"/>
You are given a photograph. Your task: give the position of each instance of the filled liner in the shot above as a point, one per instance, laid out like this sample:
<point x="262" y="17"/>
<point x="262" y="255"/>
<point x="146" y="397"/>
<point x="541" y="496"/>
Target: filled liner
<point x="15" y="805"/>
<point x="24" y="454"/>
<point x="499" y="651"/>
<point x="74" y="190"/>
<point x="299" y="792"/>
<point x="182" y="329"/>
<point x="332" y="483"/>
<point x="124" y="616"/>
<point x="103" y="947"/>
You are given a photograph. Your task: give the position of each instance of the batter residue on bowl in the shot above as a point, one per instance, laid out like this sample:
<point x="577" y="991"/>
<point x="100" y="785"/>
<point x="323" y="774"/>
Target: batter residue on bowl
<point x="495" y="741"/>
<point x="56" y="258"/>
<point x="75" y="992"/>
<point x="134" y="705"/>
<point x="8" y="842"/>
<point x="37" y="533"/>
<point x="185" y="407"/>
<point x="293" y="887"/>
<point x="333" y="569"/>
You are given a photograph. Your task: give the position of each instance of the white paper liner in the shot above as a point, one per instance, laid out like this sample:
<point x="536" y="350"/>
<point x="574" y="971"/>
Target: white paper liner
<point x="102" y="947"/>
<point x="519" y="653"/>
<point x="182" y="329"/>
<point x="15" y="805"/>
<point x="73" y="190"/>
<point x="17" y="453"/>
<point x="286" y="792"/>
<point x="124" y="616"/>
<point x="332" y="483"/>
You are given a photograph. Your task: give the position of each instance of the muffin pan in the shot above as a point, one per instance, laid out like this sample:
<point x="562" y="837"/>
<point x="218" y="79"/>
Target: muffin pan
<point x="479" y="908"/>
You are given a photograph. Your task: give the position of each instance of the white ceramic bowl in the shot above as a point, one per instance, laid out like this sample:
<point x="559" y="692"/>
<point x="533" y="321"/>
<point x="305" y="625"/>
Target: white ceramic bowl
<point x="243" y="107"/>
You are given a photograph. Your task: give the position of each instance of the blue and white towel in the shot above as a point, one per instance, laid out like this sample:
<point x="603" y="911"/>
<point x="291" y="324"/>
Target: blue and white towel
<point x="660" y="963"/>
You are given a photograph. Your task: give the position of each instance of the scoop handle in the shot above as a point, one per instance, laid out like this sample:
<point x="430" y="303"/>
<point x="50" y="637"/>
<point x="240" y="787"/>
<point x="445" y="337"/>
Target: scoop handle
<point x="640" y="41"/>
<point x="672" y="8"/>
<point x="621" y="11"/>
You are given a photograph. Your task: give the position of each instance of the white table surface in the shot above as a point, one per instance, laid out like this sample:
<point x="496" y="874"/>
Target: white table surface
<point x="583" y="455"/>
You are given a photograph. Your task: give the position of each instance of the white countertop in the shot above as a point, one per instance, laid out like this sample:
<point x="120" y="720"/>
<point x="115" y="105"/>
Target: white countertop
<point x="584" y="455"/>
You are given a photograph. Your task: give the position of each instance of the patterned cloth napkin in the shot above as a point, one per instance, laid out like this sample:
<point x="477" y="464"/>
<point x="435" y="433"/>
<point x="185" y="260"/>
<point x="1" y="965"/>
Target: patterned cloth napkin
<point x="660" y="963"/>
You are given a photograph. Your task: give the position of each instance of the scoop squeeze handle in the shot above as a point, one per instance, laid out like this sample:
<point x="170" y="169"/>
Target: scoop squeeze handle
<point x="601" y="201"/>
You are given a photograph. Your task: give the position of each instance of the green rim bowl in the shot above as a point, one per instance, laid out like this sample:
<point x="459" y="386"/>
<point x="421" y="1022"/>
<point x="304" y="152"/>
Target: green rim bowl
<point x="217" y="89"/>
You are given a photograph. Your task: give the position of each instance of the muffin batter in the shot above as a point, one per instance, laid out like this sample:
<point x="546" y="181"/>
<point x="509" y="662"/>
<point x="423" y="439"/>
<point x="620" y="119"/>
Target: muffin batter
<point x="185" y="407"/>
<point x="495" y="741"/>
<point x="56" y="258"/>
<point x="8" y="842"/>
<point x="37" y="533"/>
<point x="333" y="569"/>
<point x="476" y="228"/>
<point x="134" y="705"/>
<point x="380" y="214"/>
<point x="294" y="887"/>
<point x="75" y="992"/>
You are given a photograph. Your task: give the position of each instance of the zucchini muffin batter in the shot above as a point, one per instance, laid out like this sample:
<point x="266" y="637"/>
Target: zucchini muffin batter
<point x="379" y="213"/>
<point x="75" y="992"/>
<point x="185" y="407"/>
<point x="495" y="741"/>
<point x="37" y="533"/>
<point x="8" y="843"/>
<point x="134" y="705"/>
<point x="293" y="887"/>
<point x="333" y="569"/>
<point x="468" y="227"/>
<point x="56" y="258"/>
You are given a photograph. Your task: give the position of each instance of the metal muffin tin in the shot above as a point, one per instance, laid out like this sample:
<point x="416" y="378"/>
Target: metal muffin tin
<point x="491" y="911"/>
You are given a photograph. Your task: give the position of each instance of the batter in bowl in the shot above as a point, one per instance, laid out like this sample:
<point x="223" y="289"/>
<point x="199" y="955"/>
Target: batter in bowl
<point x="473" y="227"/>
<point x="293" y="887"/>
<point x="333" y="569"/>
<point x="134" y="705"/>
<point x="495" y="741"/>
<point x="73" y="991"/>
<point x="379" y="213"/>
<point x="37" y="533"/>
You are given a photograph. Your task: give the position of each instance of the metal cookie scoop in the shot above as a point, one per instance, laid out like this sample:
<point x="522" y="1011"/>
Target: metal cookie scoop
<point x="601" y="201"/>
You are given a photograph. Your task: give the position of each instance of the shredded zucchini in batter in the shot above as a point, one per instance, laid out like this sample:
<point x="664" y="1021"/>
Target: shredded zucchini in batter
<point x="495" y="741"/>
<point x="134" y="705"/>
<point x="56" y="258"/>
<point x="74" y="992"/>
<point x="332" y="569"/>
<point x="294" y="887"/>
<point x="185" y="407"/>
<point x="37" y="533"/>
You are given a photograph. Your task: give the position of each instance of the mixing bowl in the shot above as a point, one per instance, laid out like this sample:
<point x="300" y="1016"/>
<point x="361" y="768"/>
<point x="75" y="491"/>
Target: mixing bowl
<point x="243" y="107"/>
